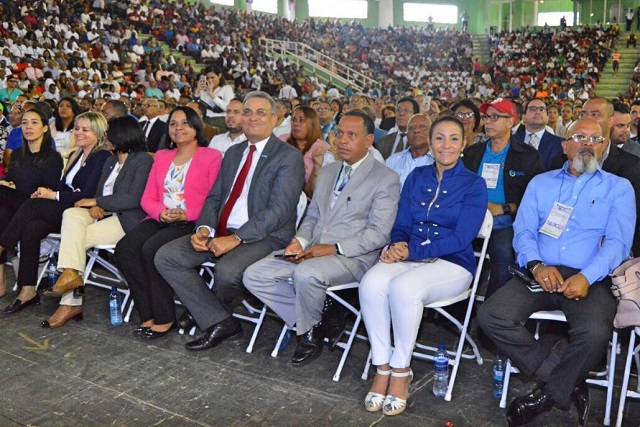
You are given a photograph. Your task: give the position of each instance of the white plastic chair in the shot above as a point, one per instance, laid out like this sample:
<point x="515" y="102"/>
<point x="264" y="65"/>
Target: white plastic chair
<point x="428" y="352"/>
<point x="607" y="376"/>
<point x="632" y="353"/>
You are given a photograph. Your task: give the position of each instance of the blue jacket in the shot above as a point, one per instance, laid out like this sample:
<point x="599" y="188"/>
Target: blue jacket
<point x="454" y="220"/>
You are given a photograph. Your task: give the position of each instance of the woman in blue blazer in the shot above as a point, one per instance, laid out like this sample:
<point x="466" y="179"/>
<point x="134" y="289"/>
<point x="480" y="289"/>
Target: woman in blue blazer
<point x="42" y="214"/>
<point x="430" y="258"/>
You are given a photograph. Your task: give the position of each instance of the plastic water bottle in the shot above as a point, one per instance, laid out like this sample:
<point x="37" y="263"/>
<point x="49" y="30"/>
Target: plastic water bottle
<point x="114" y="307"/>
<point x="52" y="272"/>
<point x="441" y="371"/>
<point x="498" y="376"/>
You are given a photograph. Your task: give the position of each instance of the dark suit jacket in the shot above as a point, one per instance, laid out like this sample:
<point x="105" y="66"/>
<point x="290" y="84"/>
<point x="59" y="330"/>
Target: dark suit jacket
<point x="156" y="135"/>
<point x="385" y="144"/>
<point x="549" y="147"/>
<point x="273" y="195"/>
<point x="85" y="183"/>
<point x="127" y="190"/>
<point x="624" y="165"/>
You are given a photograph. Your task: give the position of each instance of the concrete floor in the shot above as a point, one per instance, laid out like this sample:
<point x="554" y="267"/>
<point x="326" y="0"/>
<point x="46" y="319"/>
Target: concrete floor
<point x="90" y="373"/>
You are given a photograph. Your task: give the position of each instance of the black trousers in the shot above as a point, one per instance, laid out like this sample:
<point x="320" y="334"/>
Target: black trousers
<point x="503" y="318"/>
<point x="135" y="253"/>
<point x="10" y="202"/>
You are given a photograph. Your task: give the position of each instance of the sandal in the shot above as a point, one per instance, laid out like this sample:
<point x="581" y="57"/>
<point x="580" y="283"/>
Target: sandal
<point x="373" y="401"/>
<point x="393" y="405"/>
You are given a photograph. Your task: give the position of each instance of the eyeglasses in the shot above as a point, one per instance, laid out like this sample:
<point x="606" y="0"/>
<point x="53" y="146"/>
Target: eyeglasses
<point x="323" y="110"/>
<point x="404" y="111"/>
<point x="581" y="139"/>
<point x="150" y="105"/>
<point x="356" y="101"/>
<point x="493" y="117"/>
<point x="464" y="115"/>
<point x="259" y="113"/>
<point x="537" y="109"/>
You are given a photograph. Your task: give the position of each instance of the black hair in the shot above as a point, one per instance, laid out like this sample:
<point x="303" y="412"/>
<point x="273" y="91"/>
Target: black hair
<point x="467" y="103"/>
<point x="621" y="108"/>
<point x="369" y="125"/>
<point x="194" y="122"/>
<point x="416" y="106"/>
<point x="450" y="119"/>
<point x="75" y="107"/>
<point x="125" y="135"/>
<point x="213" y="68"/>
<point x="46" y="147"/>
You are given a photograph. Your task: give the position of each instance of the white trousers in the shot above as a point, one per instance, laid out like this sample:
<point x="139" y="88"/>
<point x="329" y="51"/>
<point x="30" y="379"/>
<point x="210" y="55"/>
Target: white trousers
<point x="80" y="232"/>
<point x="395" y="295"/>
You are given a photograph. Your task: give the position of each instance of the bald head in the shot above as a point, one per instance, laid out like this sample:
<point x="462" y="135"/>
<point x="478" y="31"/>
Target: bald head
<point x="583" y="145"/>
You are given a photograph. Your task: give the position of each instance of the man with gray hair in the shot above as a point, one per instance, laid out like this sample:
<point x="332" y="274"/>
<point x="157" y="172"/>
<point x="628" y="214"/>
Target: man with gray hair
<point x="249" y="213"/>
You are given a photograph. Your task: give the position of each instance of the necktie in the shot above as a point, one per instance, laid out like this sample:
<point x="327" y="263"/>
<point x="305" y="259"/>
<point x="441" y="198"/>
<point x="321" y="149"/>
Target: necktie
<point x="533" y="141"/>
<point x="235" y="193"/>
<point x="345" y="177"/>
<point x="400" y="145"/>
<point x="145" y="127"/>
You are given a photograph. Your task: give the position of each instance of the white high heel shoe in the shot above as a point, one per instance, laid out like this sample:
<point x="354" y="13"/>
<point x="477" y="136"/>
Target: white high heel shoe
<point x="393" y="405"/>
<point x="373" y="401"/>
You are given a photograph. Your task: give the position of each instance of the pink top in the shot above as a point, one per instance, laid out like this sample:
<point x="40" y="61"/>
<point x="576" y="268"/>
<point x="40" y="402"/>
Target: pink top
<point x="308" y="157"/>
<point x="201" y="175"/>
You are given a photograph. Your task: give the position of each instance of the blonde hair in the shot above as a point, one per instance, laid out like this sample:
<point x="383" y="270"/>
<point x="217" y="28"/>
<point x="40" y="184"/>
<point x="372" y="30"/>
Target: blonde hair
<point x="98" y="125"/>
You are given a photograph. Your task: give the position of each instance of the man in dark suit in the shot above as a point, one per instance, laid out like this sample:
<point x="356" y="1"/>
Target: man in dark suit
<point x="249" y="213"/>
<point x="153" y="127"/>
<point x="396" y="141"/>
<point x="613" y="160"/>
<point x="533" y="132"/>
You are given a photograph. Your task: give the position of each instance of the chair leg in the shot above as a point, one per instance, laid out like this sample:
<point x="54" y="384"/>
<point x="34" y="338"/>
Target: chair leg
<point x="367" y="366"/>
<point x="347" y="347"/>
<point x="625" y="380"/>
<point x="505" y="384"/>
<point x="274" y="353"/>
<point x="256" y="330"/>
<point x="610" y="377"/>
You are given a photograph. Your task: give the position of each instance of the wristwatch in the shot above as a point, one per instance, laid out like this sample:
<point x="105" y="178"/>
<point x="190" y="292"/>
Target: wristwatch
<point x="338" y="250"/>
<point x="506" y="208"/>
<point x="532" y="265"/>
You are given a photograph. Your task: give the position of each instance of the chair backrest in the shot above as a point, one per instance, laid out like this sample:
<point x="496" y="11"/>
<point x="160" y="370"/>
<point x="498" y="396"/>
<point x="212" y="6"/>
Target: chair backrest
<point x="484" y="234"/>
<point x="301" y="209"/>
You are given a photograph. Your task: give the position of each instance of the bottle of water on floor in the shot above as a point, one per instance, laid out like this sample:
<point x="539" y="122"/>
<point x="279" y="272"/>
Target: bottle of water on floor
<point x="52" y="272"/>
<point x="498" y="376"/>
<point x="114" y="307"/>
<point x="441" y="371"/>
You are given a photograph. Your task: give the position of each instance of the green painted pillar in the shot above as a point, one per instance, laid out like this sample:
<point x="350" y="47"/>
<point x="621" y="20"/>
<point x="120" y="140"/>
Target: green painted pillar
<point x="241" y="4"/>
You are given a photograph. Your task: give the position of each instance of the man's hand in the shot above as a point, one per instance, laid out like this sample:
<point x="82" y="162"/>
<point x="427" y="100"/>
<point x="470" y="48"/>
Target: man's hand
<point x="199" y="240"/>
<point x="96" y="212"/>
<point x="221" y="245"/>
<point x="398" y="251"/>
<point x="9" y="184"/>
<point x="575" y="287"/>
<point x="85" y="203"/>
<point x="548" y="277"/>
<point x="315" y="252"/>
<point x="495" y="209"/>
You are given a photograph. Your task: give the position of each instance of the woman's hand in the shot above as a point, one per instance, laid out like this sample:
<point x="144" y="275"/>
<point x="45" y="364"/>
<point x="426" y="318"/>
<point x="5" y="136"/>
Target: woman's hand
<point x="85" y="203"/>
<point x="173" y="215"/>
<point x="318" y="158"/>
<point x="44" y="193"/>
<point x="9" y="184"/>
<point x="96" y="212"/>
<point x="395" y="252"/>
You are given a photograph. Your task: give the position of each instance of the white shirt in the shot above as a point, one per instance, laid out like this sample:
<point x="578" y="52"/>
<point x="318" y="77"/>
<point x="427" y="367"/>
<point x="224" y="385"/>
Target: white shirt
<point x="223" y="141"/>
<point x="403" y="163"/>
<point x="240" y="213"/>
<point x="539" y="134"/>
<point x="284" y="128"/>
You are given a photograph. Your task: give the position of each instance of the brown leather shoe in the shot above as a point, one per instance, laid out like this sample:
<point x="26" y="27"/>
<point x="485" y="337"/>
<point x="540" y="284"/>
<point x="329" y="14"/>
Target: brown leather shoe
<point x="68" y="280"/>
<point x="63" y="314"/>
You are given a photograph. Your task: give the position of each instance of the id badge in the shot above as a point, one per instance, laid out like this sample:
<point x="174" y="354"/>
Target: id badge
<point x="490" y="173"/>
<point x="557" y="220"/>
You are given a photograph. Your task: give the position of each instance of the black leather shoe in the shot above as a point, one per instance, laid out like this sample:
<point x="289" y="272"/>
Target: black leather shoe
<point x="18" y="305"/>
<point x="309" y="346"/>
<point x="227" y="330"/>
<point x="140" y="330"/>
<point x="186" y="321"/>
<point x="334" y="322"/>
<point x="524" y="409"/>
<point x="580" y="399"/>
<point x="151" y="334"/>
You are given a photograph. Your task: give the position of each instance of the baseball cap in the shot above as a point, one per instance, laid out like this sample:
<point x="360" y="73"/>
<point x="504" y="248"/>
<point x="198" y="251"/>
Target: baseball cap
<point x="502" y="105"/>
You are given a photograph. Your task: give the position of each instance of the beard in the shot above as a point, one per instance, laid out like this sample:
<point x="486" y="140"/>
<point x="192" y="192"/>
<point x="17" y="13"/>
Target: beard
<point x="585" y="161"/>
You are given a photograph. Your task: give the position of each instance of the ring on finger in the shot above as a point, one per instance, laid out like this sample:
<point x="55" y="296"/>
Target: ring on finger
<point x="546" y="279"/>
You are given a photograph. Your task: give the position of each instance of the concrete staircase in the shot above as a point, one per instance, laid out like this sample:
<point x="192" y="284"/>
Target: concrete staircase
<point x="481" y="48"/>
<point x="614" y="85"/>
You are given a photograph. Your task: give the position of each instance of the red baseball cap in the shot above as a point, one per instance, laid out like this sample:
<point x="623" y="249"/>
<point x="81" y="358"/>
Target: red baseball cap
<point x="502" y="105"/>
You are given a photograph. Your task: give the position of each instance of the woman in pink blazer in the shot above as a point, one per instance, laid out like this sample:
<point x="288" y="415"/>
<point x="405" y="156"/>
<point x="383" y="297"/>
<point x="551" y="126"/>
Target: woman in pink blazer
<point x="178" y="184"/>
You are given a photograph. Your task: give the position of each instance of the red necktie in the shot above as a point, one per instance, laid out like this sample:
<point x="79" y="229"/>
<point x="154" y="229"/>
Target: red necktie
<point x="235" y="193"/>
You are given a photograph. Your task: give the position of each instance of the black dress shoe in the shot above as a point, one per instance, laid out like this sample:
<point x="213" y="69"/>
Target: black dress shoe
<point x="151" y="334"/>
<point x="186" y="321"/>
<point x="524" y="409"/>
<point x="309" y="346"/>
<point x="580" y="399"/>
<point x="229" y="329"/>
<point x="18" y="305"/>
<point x="140" y="330"/>
<point x="334" y="322"/>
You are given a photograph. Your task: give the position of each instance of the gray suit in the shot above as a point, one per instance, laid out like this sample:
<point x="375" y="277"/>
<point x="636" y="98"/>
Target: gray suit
<point x="385" y="144"/>
<point x="360" y="221"/>
<point x="127" y="190"/>
<point x="273" y="196"/>
<point x="631" y="147"/>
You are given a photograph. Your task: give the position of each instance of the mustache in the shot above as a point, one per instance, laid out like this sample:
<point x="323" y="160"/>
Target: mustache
<point x="586" y="150"/>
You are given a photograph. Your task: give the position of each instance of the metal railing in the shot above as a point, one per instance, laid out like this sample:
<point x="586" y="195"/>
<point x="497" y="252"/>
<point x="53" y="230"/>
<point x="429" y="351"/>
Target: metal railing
<point x="324" y="67"/>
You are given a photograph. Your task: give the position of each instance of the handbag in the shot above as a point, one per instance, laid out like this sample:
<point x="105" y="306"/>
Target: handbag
<point x="625" y="285"/>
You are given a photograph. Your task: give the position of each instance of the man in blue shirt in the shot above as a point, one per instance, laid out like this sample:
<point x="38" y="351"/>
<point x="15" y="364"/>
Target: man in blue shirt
<point x="574" y="226"/>
<point x="418" y="153"/>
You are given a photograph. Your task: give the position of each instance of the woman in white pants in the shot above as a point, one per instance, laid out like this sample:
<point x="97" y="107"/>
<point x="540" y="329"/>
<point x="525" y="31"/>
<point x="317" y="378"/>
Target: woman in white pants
<point x="102" y="220"/>
<point x="430" y="258"/>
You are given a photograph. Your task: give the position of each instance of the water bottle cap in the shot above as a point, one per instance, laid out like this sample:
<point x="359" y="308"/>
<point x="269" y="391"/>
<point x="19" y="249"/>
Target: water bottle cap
<point x="442" y="346"/>
<point x="114" y="289"/>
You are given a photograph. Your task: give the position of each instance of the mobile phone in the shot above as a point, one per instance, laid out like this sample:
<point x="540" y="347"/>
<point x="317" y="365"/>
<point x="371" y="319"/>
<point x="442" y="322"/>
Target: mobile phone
<point x="203" y="79"/>
<point x="285" y="255"/>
